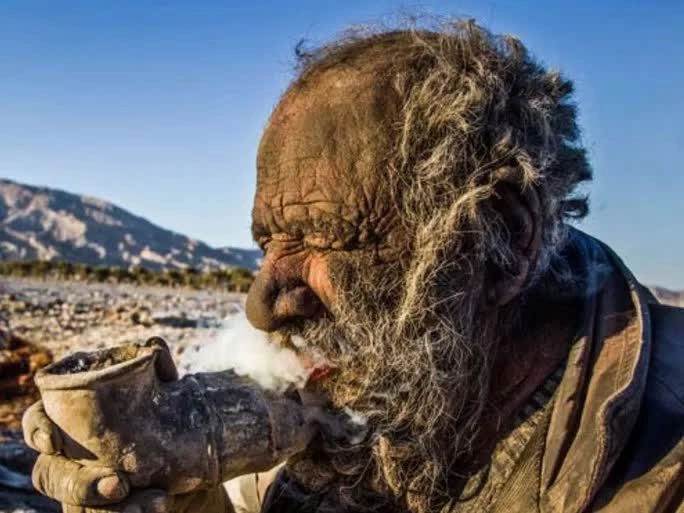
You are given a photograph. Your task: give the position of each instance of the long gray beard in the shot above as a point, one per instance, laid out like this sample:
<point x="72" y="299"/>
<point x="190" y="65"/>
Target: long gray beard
<point x="422" y="382"/>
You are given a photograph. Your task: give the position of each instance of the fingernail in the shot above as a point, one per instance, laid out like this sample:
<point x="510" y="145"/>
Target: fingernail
<point x="133" y="508"/>
<point x="111" y="487"/>
<point x="43" y="442"/>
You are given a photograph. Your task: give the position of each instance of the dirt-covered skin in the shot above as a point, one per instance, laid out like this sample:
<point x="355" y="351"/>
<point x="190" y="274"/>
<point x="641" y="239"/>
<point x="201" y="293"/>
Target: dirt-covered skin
<point x="319" y="197"/>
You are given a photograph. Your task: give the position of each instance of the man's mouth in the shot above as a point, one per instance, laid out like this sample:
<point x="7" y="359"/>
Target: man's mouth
<point x="317" y="366"/>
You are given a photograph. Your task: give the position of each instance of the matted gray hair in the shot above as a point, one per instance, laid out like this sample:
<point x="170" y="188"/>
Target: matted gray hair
<point x="472" y="103"/>
<point x="474" y="110"/>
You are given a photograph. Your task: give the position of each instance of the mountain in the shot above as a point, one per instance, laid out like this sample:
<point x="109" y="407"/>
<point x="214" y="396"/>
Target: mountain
<point x="669" y="297"/>
<point x="38" y="223"/>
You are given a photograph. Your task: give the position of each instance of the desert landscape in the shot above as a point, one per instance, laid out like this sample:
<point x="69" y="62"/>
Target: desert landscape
<point x="44" y="320"/>
<point x="80" y="274"/>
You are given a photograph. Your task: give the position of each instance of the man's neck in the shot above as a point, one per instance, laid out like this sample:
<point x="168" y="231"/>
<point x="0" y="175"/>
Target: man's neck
<point x="537" y="346"/>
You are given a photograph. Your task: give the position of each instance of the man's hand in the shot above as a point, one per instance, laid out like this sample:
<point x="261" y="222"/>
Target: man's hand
<point x="137" y="427"/>
<point x="89" y="489"/>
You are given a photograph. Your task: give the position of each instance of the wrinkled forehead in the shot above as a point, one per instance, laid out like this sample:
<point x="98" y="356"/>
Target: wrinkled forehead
<point x="327" y="138"/>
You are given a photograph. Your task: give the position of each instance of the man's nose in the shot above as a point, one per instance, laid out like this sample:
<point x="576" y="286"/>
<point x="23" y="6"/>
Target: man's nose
<point x="272" y="302"/>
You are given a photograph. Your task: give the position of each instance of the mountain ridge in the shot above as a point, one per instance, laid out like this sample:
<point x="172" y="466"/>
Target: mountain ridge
<point x="43" y="223"/>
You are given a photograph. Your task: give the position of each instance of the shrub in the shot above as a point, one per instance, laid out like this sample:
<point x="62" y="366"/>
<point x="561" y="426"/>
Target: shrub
<point x="236" y="279"/>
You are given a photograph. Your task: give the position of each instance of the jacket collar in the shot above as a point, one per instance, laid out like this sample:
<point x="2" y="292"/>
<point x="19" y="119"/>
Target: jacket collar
<point x="598" y="398"/>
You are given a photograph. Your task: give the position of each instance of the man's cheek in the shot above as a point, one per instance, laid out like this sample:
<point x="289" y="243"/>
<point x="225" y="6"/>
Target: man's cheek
<point x="320" y="280"/>
<point x="364" y="284"/>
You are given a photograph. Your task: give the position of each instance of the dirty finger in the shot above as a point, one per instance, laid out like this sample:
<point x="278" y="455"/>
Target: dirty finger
<point x="40" y="433"/>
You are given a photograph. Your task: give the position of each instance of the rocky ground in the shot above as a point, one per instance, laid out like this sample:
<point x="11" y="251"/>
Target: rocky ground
<point x="40" y="321"/>
<point x="64" y="317"/>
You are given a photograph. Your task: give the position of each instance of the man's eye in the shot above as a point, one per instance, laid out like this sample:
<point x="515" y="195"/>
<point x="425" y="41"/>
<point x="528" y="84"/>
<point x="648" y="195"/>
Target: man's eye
<point x="279" y="241"/>
<point x="320" y="241"/>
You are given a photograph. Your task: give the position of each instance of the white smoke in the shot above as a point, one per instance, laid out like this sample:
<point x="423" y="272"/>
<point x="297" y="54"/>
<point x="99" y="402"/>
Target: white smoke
<point x="249" y="352"/>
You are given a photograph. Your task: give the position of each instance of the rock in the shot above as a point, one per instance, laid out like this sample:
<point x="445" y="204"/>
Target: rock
<point x="19" y="360"/>
<point x="143" y="317"/>
<point x="6" y="336"/>
<point x="176" y="321"/>
<point x="17" y="494"/>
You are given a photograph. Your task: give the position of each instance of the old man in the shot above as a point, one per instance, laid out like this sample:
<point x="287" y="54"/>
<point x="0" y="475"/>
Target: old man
<point x="413" y="198"/>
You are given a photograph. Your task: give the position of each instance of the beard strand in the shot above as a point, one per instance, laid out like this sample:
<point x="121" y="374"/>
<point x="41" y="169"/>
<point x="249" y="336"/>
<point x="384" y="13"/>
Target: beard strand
<point x="420" y="375"/>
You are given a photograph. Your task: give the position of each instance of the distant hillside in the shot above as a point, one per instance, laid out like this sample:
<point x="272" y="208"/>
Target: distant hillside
<point x="669" y="297"/>
<point x="38" y="223"/>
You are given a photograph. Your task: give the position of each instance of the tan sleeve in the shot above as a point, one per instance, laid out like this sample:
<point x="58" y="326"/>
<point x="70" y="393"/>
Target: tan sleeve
<point x="247" y="492"/>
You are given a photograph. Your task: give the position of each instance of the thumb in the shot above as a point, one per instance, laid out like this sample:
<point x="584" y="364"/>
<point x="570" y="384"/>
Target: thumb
<point x="40" y="433"/>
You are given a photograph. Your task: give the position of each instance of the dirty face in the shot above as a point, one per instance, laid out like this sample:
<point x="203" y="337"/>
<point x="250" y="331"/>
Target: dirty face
<point x="340" y="272"/>
<point x="410" y="283"/>
<point x="322" y="203"/>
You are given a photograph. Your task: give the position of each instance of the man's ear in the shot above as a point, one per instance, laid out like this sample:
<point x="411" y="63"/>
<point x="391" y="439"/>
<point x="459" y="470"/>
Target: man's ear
<point x="519" y="210"/>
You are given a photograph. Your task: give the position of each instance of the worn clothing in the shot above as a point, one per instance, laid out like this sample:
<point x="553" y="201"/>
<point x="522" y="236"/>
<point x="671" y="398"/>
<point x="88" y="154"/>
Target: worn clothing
<point x="613" y="442"/>
<point x="604" y="434"/>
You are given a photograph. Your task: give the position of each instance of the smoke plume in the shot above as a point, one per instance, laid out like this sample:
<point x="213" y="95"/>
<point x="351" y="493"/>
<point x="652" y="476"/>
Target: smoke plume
<point x="249" y="352"/>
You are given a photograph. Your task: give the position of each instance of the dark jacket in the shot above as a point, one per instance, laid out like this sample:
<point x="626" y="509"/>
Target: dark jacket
<point x="610" y="438"/>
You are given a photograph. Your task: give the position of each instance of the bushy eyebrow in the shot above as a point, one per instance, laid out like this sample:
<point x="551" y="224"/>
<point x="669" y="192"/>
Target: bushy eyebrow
<point x="336" y="228"/>
<point x="336" y="221"/>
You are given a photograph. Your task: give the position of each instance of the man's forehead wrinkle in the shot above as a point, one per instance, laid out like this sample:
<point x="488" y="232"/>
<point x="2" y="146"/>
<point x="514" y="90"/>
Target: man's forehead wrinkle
<point x="277" y="206"/>
<point x="318" y="158"/>
<point x="283" y="169"/>
<point x="308" y="213"/>
<point x="319" y="217"/>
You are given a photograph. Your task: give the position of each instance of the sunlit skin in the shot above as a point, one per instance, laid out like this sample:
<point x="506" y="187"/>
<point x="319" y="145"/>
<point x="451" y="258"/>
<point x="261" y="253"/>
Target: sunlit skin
<point x="321" y="197"/>
<point x="318" y="197"/>
<point x="322" y="193"/>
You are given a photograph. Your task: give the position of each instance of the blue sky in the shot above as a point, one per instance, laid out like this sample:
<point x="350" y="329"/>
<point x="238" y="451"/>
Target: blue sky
<point x="158" y="105"/>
